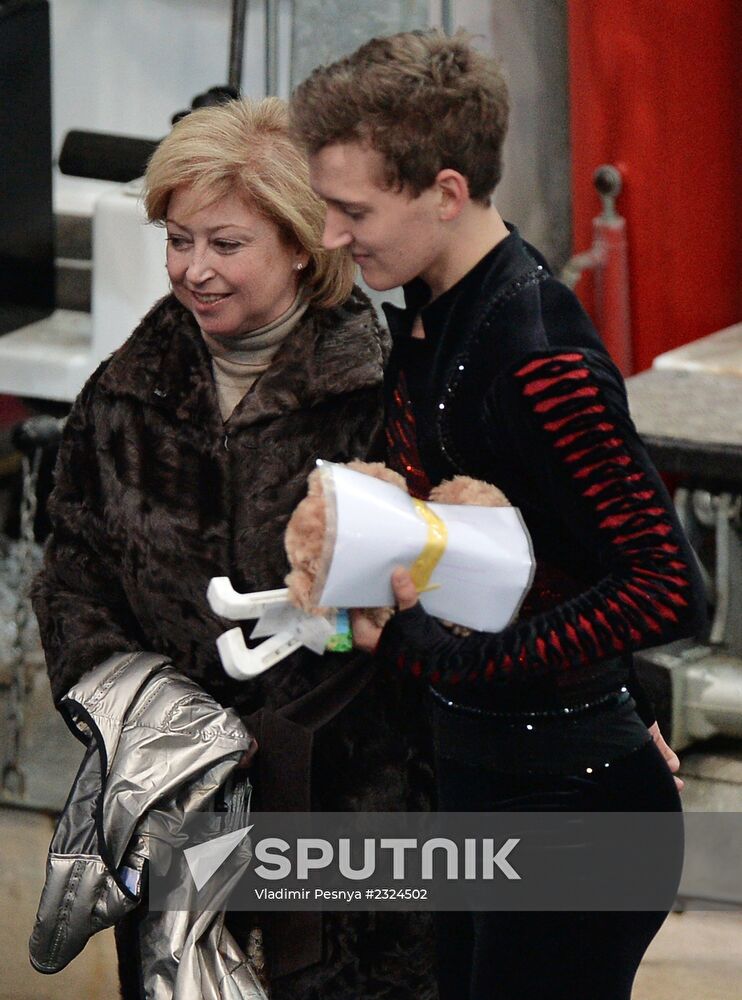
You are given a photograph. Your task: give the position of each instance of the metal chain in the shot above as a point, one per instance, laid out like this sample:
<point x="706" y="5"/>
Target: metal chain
<point x="13" y="778"/>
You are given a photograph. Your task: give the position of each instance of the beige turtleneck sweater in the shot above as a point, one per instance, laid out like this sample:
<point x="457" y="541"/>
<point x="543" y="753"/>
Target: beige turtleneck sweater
<point x="237" y="362"/>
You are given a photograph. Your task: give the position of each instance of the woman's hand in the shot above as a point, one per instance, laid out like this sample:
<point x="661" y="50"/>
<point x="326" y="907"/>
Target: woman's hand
<point x="671" y="758"/>
<point x="366" y="635"/>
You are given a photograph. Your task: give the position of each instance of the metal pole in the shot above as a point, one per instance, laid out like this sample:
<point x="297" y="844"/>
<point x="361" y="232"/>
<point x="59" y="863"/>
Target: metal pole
<point x="290" y="53"/>
<point x="237" y="43"/>
<point x="610" y="246"/>
<point x="608" y="259"/>
<point x="447" y="16"/>
<point x="271" y="47"/>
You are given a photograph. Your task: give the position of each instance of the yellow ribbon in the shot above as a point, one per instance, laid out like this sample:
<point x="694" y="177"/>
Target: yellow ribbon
<point x="422" y="568"/>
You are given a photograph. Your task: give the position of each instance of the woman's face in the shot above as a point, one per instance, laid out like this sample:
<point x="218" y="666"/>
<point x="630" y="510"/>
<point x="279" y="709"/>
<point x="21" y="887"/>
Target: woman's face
<point x="228" y="265"/>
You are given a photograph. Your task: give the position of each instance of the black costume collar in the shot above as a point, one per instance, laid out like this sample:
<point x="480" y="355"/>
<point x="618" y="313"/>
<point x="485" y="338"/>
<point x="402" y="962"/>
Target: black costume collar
<point x="504" y="262"/>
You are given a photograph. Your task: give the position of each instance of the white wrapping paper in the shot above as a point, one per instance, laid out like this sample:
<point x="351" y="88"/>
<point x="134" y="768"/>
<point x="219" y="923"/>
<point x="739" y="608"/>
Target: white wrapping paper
<point x="479" y="581"/>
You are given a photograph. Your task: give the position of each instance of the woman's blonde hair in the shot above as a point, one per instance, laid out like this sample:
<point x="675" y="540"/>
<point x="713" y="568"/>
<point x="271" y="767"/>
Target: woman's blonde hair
<point x="244" y="148"/>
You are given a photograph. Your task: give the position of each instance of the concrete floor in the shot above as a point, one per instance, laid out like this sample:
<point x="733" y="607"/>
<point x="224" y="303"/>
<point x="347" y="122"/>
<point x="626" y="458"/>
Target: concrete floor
<point x="696" y="956"/>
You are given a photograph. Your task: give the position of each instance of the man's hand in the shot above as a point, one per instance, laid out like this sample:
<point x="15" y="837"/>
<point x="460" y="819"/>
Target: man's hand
<point x="366" y="635"/>
<point x="405" y="591"/>
<point x="671" y="758"/>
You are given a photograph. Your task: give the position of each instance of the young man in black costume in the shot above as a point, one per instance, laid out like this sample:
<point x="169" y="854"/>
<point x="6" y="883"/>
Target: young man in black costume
<point x="496" y="372"/>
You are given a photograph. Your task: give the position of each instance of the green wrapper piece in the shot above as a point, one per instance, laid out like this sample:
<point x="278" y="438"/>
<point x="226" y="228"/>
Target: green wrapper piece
<point x="341" y="641"/>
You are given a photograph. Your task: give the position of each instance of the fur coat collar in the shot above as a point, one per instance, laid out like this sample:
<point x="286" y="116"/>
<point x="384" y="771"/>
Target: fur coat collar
<point x="329" y="353"/>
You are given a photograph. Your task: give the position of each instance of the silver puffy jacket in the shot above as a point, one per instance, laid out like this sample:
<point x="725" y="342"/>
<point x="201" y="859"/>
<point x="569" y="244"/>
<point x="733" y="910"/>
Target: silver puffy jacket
<point x="157" y="747"/>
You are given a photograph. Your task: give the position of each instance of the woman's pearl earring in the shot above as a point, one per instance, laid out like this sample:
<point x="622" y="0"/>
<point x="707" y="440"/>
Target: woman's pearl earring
<point x="299" y="266"/>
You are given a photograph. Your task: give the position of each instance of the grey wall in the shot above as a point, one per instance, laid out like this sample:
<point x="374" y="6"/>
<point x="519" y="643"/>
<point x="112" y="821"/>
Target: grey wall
<point x="325" y="30"/>
<point x="530" y="37"/>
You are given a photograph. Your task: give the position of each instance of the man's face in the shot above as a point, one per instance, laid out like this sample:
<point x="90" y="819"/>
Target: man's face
<point x="392" y="236"/>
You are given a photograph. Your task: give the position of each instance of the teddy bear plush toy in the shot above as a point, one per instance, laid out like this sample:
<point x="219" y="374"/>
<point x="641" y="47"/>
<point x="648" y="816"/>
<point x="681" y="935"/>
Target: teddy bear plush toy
<point x="307" y="530"/>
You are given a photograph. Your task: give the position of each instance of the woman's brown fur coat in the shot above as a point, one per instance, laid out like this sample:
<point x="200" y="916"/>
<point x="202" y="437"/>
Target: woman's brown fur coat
<point x="155" y="494"/>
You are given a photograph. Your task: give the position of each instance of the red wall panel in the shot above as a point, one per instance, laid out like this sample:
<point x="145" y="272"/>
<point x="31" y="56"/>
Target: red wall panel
<point x="655" y="90"/>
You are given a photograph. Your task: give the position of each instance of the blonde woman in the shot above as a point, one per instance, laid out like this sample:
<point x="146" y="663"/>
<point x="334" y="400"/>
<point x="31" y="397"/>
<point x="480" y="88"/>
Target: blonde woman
<point x="182" y="460"/>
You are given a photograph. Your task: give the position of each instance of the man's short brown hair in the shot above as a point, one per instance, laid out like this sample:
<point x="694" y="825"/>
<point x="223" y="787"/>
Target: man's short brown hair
<point x="424" y="101"/>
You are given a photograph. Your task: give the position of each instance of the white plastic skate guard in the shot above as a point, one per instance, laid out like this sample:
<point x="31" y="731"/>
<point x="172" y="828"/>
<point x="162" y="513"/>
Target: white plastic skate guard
<point x="229" y="603"/>
<point x="288" y="628"/>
